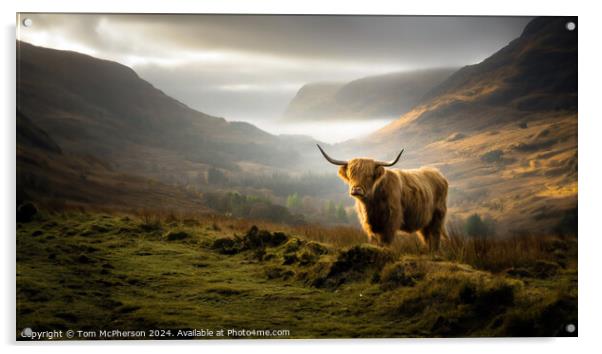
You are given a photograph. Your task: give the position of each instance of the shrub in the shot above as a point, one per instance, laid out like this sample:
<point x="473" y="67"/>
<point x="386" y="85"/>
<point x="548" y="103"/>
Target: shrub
<point x="478" y="227"/>
<point x="215" y="176"/>
<point x="475" y="227"/>
<point x="26" y="212"/>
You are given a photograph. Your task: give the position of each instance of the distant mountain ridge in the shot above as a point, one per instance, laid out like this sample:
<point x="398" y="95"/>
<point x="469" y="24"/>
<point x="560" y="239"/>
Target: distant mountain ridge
<point x="388" y="95"/>
<point x="89" y="105"/>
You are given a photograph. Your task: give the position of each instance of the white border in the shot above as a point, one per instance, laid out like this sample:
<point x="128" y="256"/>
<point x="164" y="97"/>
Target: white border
<point x="589" y="175"/>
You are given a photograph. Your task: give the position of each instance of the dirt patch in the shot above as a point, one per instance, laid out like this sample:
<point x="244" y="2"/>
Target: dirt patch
<point x="176" y="235"/>
<point x="356" y="263"/>
<point x="254" y="239"/>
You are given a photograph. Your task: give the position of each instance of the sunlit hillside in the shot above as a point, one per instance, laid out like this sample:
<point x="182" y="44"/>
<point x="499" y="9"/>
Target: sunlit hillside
<point x="503" y="131"/>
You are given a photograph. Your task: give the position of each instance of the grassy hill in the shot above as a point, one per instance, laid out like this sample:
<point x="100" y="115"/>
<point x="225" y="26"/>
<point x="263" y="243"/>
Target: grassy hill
<point x="96" y="271"/>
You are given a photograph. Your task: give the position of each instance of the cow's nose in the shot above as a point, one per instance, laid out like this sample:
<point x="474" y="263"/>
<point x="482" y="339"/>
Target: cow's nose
<point x="357" y="191"/>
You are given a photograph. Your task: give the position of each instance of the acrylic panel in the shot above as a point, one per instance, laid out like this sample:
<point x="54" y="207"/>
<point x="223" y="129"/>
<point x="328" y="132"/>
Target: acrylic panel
<point x="282" y="177"/>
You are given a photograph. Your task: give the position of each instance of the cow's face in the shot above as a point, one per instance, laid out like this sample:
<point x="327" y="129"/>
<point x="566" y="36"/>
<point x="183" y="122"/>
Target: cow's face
<point x="361" y="175"/>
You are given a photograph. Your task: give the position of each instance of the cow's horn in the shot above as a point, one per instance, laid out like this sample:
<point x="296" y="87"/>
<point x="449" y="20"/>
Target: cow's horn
<point x="330" y="159"/>
<point x="391" y="163"/>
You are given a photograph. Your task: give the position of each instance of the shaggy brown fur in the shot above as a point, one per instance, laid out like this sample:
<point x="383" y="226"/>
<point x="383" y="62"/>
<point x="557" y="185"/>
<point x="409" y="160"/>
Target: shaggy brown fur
<point x="392" y="200"/>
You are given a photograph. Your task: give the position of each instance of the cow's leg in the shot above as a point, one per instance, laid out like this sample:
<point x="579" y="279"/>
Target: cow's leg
<point x="423" y="236"/>
<point x="386" y="238"/>
<point x="435" y="230"/>
<point x="435" y="240"/>
<point x="380" y="239"/>
<point x="430" y="238"/>
<point x="374" y="239"/>
<point x="394" y="223"/>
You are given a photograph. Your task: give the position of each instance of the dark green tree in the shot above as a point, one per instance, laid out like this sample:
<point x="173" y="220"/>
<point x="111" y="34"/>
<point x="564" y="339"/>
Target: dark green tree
<point x="476" y="227"/>
<point x="215" y="176"/>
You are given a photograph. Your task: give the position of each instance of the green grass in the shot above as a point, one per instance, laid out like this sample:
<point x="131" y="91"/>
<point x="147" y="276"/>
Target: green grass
<point x="91" y="271"/>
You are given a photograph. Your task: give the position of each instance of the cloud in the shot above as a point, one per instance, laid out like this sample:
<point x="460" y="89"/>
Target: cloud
<point x="247" y="65"/>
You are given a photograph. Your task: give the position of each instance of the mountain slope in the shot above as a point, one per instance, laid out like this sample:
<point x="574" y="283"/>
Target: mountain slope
<point x="30" y="135"/>
<point x="503" y="131"/>
<point x="388" y="95"/>
<point x="51" y="177"/>
<point x="103" y="108"/>
<point x="536" y="72"/>
<point x="314" y="100"/>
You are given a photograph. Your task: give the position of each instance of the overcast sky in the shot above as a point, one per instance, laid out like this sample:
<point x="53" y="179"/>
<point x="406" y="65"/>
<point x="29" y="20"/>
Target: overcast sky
<point x="249" y="67"/>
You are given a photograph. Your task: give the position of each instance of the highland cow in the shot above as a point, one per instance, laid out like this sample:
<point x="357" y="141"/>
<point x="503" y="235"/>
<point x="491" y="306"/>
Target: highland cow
<point x="390" y="200"/>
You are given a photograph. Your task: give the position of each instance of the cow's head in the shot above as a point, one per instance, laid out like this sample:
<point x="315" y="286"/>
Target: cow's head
<point x="360" y="174"/>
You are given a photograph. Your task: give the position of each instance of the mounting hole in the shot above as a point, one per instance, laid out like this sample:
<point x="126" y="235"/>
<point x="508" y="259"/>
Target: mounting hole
<point x="27" y="332"/>
<point x="570" y="26"/>
<point x="570" y="328"/>
<point x="27" y="22"/>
